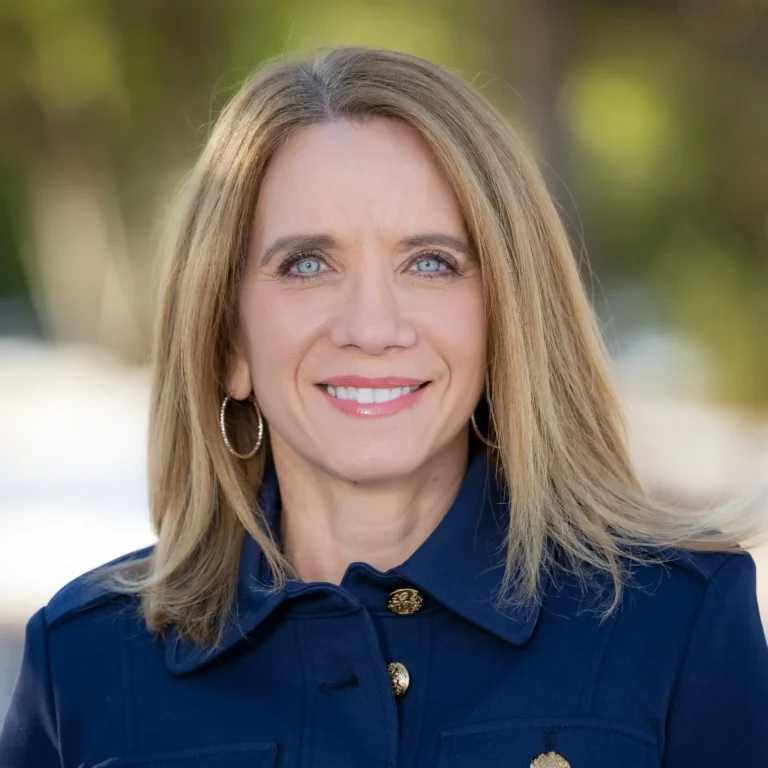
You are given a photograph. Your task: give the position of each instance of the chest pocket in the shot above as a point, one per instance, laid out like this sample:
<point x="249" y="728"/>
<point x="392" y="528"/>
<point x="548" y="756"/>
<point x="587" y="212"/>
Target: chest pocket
<point x="261" y="755"/>
<point x="550" y="743"/>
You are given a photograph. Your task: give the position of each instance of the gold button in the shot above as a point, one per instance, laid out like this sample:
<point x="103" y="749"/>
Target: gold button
<point x="550" y="760"/>
<point x="405" y="601"/>
<point x="399" y="676"/>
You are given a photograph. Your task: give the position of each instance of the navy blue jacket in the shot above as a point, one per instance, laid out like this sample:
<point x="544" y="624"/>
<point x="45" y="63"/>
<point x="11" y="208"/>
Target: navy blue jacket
<point x="678" y="677"/>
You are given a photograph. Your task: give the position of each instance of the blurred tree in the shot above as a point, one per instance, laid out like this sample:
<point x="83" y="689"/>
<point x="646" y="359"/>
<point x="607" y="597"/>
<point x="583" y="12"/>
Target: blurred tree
<point x="669" y="133"/>
<point x="651" y="121"/>
<point x="652" y="116"/>
<point x="62" y="100"/>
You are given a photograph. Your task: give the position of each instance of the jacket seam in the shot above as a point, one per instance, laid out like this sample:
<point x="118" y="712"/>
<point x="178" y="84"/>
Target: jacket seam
<point x="49" y="686"/>
<point x="308" y="726"/>
<point x="130" y="735"/>
<point x="386" y="697"/>
<point x="684" y="654"/>
<point x="555" y="724"/>
<point x="426" y="645"/>
<point x="587" y="696"/>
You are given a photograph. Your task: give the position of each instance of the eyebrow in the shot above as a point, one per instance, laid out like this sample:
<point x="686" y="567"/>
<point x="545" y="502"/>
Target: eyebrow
<point x="319" y="241"/>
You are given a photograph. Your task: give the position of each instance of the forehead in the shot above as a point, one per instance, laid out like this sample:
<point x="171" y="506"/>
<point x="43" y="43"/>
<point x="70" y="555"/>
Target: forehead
<point x="344" y="177"/>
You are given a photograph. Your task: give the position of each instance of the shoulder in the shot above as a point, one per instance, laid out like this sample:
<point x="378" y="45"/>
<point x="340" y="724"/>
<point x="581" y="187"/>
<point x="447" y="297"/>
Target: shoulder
<point x="684" y="604"/>
<point x="728" y="588"/>
<point x="709" y="567"/>
<point x="682" y="584"/>
<point x="88" y="591"/>
<point x="692" y="573"/>
<point x="706" y="571"/>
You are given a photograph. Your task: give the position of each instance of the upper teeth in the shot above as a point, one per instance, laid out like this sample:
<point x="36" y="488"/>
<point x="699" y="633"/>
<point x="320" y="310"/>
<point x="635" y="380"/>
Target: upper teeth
<point x="364" y="395"/>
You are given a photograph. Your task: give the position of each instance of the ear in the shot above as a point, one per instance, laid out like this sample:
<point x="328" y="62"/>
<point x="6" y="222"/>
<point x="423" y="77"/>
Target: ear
<point x="238" y="377"/>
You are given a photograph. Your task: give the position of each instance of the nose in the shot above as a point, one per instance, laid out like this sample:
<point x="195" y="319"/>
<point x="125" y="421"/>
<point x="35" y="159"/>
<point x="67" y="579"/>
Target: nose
<point x="370" y="315"/>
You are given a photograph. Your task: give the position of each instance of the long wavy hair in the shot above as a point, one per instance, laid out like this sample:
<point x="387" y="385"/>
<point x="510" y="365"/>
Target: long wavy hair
<point x="553" y="415"/>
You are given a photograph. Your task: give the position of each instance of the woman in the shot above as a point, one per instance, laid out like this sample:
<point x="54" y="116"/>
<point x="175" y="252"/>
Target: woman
<point x="397" y="522"/>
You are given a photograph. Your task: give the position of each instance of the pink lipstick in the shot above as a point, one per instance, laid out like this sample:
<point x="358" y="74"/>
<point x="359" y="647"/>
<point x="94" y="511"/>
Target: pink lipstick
<point x="377" y="396"/>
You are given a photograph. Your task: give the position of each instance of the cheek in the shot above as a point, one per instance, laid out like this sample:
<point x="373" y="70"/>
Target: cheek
<point x="280" y="326"/>
<point x="455" y="321"/>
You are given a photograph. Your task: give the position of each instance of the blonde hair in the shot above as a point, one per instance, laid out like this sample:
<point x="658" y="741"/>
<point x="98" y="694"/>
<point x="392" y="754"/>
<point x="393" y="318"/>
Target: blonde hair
<point x="556" y="424"/>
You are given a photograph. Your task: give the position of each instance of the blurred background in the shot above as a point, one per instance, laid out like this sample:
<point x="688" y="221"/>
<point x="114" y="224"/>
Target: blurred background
<point x="650" y="120"/>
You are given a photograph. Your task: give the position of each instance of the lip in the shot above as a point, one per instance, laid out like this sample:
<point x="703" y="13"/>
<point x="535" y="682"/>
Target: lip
<point x="378" y="382"/>
<point x="368" y="410"/>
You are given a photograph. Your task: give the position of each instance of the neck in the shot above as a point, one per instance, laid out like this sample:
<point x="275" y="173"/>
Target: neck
<point x="328" y="522"/>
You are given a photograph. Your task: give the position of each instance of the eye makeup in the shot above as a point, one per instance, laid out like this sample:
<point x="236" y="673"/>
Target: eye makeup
<point x="285" y="269"/>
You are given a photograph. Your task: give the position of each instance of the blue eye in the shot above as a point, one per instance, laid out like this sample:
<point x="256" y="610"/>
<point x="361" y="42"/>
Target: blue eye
<point x="429" y="265"/>
<point x="307" y="266"/>
<point x="433" y="266"/>
<point x="303" y="266"/>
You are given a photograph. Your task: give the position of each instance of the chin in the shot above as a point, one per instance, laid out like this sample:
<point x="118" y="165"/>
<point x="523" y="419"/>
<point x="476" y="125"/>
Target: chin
<point x="372" y="463"/>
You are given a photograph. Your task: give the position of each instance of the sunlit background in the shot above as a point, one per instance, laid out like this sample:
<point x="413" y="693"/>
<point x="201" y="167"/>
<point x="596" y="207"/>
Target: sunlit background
<point x="650" y="120"/>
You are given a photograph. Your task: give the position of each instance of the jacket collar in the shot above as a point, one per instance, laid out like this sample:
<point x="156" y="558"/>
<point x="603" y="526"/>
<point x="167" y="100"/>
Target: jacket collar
<point x="460" y="565"/>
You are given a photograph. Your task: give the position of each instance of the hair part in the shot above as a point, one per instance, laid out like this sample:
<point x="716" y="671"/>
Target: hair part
<point x="556" y="424"/>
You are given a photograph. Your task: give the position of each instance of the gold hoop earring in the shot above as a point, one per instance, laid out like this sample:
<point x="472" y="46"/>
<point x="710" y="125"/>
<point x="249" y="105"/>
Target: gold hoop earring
<point x="223" y="426"/>
<point x="480" y="434"/>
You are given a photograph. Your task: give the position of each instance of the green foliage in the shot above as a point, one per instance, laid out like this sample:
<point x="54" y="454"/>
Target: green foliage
<point x="666" y="134"/>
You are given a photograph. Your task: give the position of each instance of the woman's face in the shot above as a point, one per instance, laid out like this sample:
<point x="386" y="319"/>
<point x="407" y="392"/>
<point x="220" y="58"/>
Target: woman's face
<point x="362" y="320"/>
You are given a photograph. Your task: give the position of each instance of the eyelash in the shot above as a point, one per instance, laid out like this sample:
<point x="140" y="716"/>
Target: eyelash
<point x="297" y="258"/>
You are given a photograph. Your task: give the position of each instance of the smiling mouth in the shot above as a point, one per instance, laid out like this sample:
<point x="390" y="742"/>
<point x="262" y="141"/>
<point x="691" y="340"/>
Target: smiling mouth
<point x="368" y="395"/>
